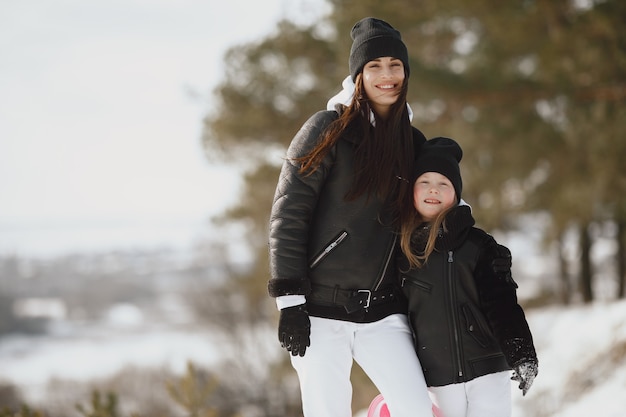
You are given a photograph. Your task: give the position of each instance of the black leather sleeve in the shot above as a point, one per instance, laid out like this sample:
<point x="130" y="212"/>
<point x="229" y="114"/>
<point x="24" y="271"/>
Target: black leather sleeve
<point x="292" y="209"/>
<point x="498" y="298"/>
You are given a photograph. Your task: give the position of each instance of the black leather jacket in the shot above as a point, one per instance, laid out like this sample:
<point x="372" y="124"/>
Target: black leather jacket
<point x="464" y="315"/>
<point x="339" y="254"/>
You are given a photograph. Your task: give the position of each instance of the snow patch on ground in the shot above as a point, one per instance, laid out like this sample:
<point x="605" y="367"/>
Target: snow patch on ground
<point x="582" y="362"/>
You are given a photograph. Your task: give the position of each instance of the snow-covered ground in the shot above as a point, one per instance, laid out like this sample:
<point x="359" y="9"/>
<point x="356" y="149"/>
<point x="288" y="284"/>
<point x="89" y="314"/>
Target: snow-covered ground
<point x="582" y="362"/>
<point x="582" y="354"/>
<point x="31" y="362"/>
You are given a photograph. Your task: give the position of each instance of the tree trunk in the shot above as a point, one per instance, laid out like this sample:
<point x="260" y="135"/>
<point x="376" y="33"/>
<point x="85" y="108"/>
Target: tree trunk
<point x="585" y="264"/>
<point x="565" y="289"/>
<point x="621" y="258"/>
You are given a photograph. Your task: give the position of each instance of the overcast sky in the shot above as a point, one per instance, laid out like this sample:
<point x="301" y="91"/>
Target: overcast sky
<point x="98" y="129"/>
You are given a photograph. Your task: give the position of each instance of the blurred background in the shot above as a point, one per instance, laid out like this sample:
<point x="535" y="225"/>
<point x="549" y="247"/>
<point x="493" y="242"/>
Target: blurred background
<point x="140" y="144"/>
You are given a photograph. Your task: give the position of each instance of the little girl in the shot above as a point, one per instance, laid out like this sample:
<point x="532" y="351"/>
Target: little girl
<point x="468" y="327"/>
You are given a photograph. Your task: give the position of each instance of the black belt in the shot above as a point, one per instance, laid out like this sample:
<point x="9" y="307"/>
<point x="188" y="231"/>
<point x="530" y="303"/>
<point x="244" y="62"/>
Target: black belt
<point x="351" y="300"/>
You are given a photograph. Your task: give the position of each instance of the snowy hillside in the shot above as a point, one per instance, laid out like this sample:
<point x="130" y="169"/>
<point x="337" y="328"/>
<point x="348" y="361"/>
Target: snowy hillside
<point x="582" y="358"/>
<point x="582" y="362"/>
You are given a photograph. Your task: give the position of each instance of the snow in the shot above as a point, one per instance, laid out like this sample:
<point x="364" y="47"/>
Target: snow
<point x="31" y="362"/>
<point x="581" y="349"/>
<point x="582" y="362"/>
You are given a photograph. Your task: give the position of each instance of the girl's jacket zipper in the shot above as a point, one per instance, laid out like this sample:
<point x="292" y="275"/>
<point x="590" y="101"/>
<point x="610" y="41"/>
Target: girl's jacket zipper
<point x="453" y="313"/>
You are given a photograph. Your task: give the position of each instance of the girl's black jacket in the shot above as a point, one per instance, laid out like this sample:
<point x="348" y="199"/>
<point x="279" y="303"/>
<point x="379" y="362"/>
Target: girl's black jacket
<point x="463" y="310"/>
<point x="339" y="254"/>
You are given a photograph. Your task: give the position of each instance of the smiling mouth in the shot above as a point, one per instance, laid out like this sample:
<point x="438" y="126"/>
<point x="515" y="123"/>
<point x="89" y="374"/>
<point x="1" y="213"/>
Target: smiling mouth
<point x="387" y="86"/>
<point x="431" y="201"/>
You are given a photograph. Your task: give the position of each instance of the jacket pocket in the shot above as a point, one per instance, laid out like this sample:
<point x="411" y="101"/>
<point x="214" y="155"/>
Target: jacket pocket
<point x="317" y="259"/>
<point x="476" y="327"/>
<point x="422" y="285"/>
<point x="489" y="364"/>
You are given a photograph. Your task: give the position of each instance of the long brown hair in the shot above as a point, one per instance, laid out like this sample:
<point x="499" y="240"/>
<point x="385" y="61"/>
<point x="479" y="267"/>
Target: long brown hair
<point x="384" y="154"/>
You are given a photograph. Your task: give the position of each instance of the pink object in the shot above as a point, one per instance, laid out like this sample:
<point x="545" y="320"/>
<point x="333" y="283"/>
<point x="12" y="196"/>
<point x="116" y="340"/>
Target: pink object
<point x="378" y="408"/>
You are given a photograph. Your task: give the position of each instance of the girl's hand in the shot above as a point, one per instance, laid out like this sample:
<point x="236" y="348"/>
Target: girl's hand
<point x="525" y="374"/>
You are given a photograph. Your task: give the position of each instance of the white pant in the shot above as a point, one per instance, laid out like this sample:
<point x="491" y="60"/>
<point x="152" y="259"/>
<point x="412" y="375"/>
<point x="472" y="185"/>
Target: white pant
<point x="485" y="396"/>
<point x="383" y="349"/>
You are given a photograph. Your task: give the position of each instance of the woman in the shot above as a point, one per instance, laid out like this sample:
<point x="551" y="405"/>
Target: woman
<point x="333" y="232"/>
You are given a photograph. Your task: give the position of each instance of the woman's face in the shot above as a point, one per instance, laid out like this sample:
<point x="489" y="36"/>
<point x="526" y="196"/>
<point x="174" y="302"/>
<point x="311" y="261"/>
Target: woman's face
<point x="432" y="194"/>
<point x="382" y="80"/>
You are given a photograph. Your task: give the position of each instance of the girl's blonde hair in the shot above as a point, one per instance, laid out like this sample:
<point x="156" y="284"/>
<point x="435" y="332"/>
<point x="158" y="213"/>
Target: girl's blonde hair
<point x="418" y="256"/>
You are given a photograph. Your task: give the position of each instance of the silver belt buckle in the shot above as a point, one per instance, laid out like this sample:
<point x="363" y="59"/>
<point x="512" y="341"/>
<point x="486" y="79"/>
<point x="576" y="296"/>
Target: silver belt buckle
<point x="369" y="297"/>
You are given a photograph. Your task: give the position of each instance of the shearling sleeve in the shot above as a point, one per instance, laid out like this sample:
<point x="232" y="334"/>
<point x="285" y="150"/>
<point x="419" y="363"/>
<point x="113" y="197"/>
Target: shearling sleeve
<point x="294" y="202"/>
<point x="498" y="298"/>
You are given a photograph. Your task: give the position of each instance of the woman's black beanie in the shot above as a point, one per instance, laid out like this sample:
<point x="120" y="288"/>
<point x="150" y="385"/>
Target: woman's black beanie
<point x="374" y="38"/>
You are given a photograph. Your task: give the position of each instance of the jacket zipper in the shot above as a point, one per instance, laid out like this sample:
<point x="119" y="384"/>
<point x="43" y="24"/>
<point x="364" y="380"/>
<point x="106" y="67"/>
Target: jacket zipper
<point x="384" y="271"/>
<point x="455" y="324"/>
<point x="421" y="285"/>
<point x="332" y="245"/>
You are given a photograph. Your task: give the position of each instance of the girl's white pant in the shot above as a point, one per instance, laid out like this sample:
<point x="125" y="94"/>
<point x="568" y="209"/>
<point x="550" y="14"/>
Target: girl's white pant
<point x="485" y="396"/>
<point x="383" y="349"/>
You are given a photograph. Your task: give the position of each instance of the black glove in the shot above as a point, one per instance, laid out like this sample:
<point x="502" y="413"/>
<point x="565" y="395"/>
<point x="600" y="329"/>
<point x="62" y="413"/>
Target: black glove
<point x="294" y="329"/>
<point x="525" y="374"/>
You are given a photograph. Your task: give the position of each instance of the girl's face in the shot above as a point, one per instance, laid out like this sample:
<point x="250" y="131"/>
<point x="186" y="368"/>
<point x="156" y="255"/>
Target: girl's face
<point x="432" y="194"/>
<point x="382" y="81"/>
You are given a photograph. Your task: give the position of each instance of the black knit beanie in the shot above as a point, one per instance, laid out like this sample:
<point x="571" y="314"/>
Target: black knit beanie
<point x="441" y="155"/>
<point x="374" y="38"/>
